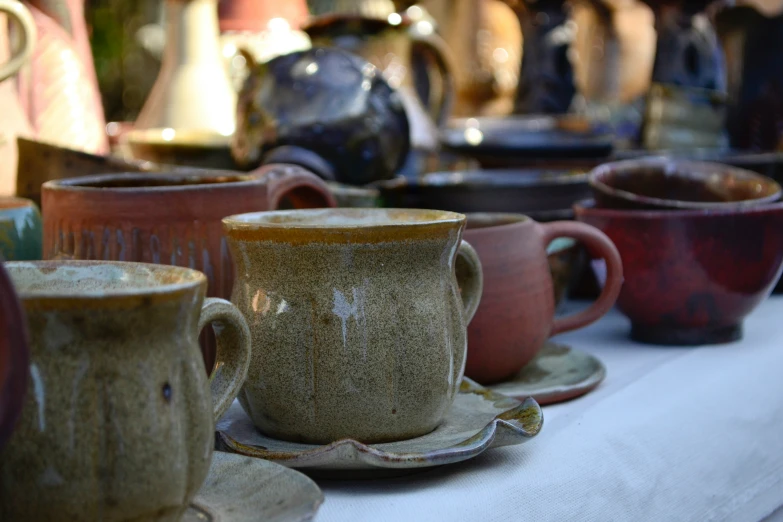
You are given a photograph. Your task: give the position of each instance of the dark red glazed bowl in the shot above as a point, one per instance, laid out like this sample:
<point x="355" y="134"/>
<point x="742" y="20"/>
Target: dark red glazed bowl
<point x="692" y="276"/>
<point x="666" y="183"/>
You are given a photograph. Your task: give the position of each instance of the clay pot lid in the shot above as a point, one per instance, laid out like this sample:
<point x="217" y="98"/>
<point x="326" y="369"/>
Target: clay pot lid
<point x="14" y="356"/>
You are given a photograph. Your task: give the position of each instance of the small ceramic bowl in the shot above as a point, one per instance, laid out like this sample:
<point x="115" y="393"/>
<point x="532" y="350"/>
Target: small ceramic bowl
<point x="193" y="148"/>
<point x="21" y="230"/>
<point x="543" y="195"/>
<point x="691" y="276"/>
<point x="665" y="183"/>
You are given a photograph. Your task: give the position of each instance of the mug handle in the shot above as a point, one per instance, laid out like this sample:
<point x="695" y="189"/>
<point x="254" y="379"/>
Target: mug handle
<point x="303" y="188"/>
<point x="441" y="51"/>
<point x="233" y="351"/>
<point x="21" y="14"/>
<point x="597" y="242"/>
<point x="470" y="279"/>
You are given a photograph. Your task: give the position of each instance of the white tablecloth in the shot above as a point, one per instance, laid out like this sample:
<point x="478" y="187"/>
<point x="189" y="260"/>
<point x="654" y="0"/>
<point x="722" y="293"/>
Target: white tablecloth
<point x="686" y="434"/>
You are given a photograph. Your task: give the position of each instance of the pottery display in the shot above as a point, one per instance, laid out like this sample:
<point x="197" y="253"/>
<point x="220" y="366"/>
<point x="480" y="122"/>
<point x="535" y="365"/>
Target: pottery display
<point x="558" y="373"/>
<point x="118" y="411"/>
<point x="691" y="276"/>
<point x="169" y="218"/>
<point x="193" y="90"/>
<point x="544" y="195"/>
<point x="479" y="419"/>
<point x="390" y="47"/>
<point x="371" y="348"/>
<point x="244" y="489"/>
<point x="664" y="183"/>
<point x="519" y="141"/>
<point x="326" y="110"/>
<point x="15" y="121"/>
<point x="14" y="357"/>
<point x="59" y="89"/>
<point x="517" y="312"/>
<point x="21" y="230"/>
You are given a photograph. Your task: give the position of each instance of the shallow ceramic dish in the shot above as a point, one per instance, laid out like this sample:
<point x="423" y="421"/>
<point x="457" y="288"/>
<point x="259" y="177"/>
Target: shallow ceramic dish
<point x="480" y="419"/>
<point x="193" y="148"/>
<point x="14" y="357"/>
<point x="541" y="195"/>
<point x="21" y="230"/>
<point x="243" y="489"/>
<point x="665" y="183"/>
<point x="503" y="141"/>
<point x="558" y="373"/>
<point x="692" y="276"/>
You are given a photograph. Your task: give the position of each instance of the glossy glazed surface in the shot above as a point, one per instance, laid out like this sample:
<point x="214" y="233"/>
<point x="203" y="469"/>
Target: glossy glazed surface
<point x="691" y="276"/>
<point x="666" y="183"/>
<point x="118" y="421"/>
<point x="167" y="218"/>
<point x="21" y="230"/>
<point x="359" y="329"/>
<point x="517" y="310"/>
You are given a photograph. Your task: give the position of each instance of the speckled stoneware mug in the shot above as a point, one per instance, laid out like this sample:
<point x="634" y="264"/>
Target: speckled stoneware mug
<point x="358" y="327"/>
<point x="118" y="423"/>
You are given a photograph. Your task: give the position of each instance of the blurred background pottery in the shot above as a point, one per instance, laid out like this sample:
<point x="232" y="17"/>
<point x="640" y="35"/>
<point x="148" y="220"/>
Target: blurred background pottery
<point x="541" y="195"/>
<point x="193" y="90"/>
<point x="168" y="218"/>
<point x="21" y="230"/>
<point x="692" y="276"/>
<point x="354" y="197"/>
<point x="524" y="140"/>
<point x="517" y="311"/>
<point x="15" y="121"/>
<point x="14" y="357"/>
<point x="663" y="183"/>
<point x="187" y="147"/>
<point x="326" y="110"/>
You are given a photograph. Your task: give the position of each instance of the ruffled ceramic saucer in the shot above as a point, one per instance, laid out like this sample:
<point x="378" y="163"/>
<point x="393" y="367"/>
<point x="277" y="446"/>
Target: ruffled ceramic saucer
<point x="558" y="373"/>
<point x="479" y="419"/>
<point x="243" y="489"/>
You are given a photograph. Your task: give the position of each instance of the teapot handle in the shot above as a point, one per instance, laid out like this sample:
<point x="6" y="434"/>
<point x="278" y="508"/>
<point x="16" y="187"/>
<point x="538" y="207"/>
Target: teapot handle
<point x="21" y="14"/>
<point x="439" y="49"/>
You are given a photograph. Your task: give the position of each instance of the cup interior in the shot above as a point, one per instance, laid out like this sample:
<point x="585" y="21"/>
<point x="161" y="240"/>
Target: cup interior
<point x="122" y="181"/>
<point x="693" y="182"/>
<point x="95" y="278"/>
<point x="344" y="218"/>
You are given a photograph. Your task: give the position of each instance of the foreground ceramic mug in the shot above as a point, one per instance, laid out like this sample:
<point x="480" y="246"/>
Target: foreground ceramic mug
<point x="118" y="423"/>
<point x="358" y="325"/>
<point x="517" y="312"/>
<point x="168" y="218"/>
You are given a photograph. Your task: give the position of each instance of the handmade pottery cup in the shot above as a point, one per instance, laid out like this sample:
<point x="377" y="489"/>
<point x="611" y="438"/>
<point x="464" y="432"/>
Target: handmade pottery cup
<point x="118" y="423"/>
<point x="21" y="230"/>
<point x="692" y="276"/>
<point x="14" y="357"/>
<point x="517" y="312"/>
<point x="359" y="330"/>
<point x="168" y="218"/>
<point x="675" y="184"/>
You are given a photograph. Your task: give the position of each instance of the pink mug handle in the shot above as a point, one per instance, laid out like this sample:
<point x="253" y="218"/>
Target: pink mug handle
<point x="302" y="187"/>
<point x="597" y="242"/>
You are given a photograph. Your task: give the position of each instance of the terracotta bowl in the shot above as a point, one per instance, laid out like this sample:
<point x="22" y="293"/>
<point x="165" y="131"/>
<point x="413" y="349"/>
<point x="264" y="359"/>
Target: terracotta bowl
<point x="691" y="276"/>
<point x="193" y="148"/>
<point x="665" y="183"/>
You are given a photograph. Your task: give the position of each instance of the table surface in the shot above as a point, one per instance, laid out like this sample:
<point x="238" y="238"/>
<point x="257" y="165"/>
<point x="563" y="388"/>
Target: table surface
<point x="671" y="434"/>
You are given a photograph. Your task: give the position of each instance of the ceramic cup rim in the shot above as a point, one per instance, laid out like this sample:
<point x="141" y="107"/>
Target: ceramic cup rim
<point x="87" y="183"/>
<point x="257" y="220"/>
<point x="587" y="207"/>
<point x="14" y="202"/>
<point x="596" y="178"/>
<point x="190" y="280"/>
